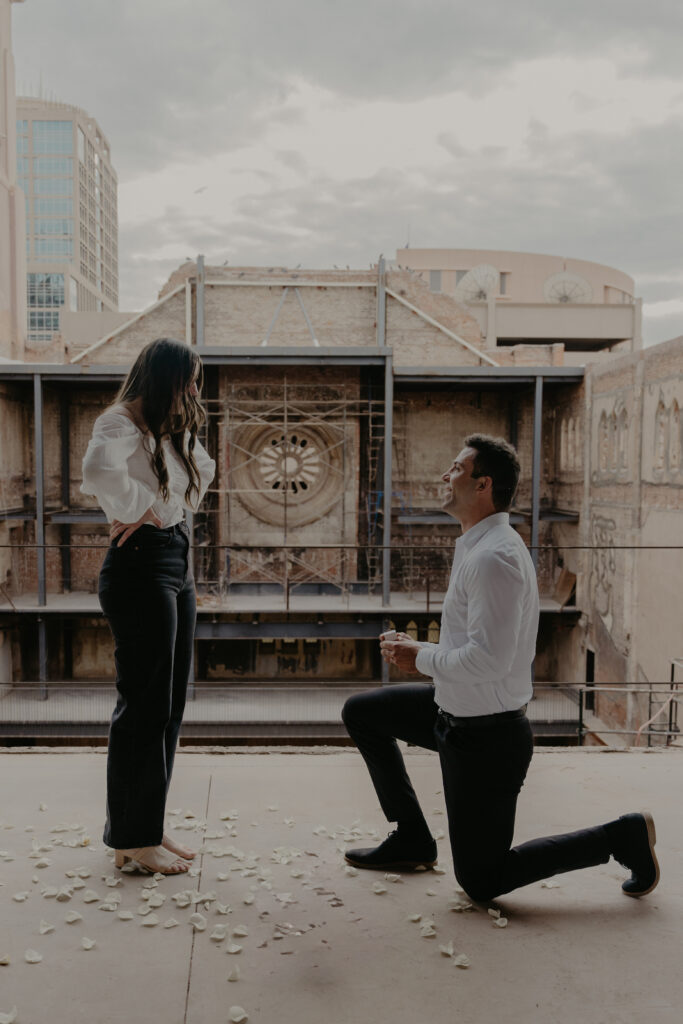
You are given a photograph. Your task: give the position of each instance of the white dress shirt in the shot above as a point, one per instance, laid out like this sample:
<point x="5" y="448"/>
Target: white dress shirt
<point x="117" y="470"/>
<point x="482" y="662"/>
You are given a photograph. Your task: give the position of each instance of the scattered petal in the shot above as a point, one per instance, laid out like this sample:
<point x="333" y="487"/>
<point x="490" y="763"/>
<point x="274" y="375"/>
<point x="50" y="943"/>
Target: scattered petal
<point x="198" y="922"/>
<point x="238" y="1015"/>
<point x="107" y="906"/>
<point x="83" y="873"/>
<point x="64" y="894"/>
<point x="87" y="943"/>
<point x="430" y="892"/>
<point x="493" y="912"/>
<point x="439" y="834"/>
<point x="248" y="899"/>
<point x="9" y="1018"/>
<point x="20" y="897"/>
<point x="46" y="928"/>
<point x="219" y="933"/>
<point x="448" y="949"/>
<point x="31" y="956"/>
<point x="460" y="906"/>
<point x="4" y="961"/>
<point x="427" y="930"/>
<point x="125" y="915"/>
<point x="44" y="862"/>
<point x="150" y="921"/>
<point x="273" y="807"/>
<point x="461" y="960"/>
<point x="50" y="891"/>
<point x="501" y="922"/>
<point x="550" y="885"/>
<point x="320" y="830"/>
<point x="222" y="908"/>
<point x="437" y="870"/>
<point x="379" y="889"/>
<point x="235" y="973"/>
<point x="350" y="871"/>
<point x="414" y="918"/>
<point x="393" y="878"/>
<point x="171" y="923"/>
<point x="90" y="896"/>
<point x="73" y="916"/>
<point x="233" y="948"/>
<point x="240" y="931"/>
<point x="144" y="909"/>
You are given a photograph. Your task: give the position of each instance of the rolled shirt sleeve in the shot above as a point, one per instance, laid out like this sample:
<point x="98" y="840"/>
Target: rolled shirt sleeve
<point x="105" y="469"/>
<point x="207" y="470"/>
<point x="494" y="588"/>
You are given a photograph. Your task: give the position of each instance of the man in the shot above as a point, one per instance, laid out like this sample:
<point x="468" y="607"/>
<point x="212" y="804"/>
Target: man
<point x="474" y="714"/>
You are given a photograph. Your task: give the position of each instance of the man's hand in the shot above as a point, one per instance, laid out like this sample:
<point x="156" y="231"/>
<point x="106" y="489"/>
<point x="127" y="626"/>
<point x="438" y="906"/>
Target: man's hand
<point x="124" y="530"/>
<point x="401" y="653"/>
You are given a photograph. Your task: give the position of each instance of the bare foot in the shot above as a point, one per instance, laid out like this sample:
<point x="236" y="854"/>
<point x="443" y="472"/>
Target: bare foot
<point x="177" y="848"/>
<point x="153" y="858"/>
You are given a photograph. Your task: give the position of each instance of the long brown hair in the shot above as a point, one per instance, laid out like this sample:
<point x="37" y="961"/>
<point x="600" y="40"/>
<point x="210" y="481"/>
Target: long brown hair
<point x="161" y="376"/>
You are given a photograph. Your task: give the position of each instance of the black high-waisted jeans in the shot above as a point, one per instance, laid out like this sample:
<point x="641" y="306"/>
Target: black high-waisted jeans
<point x="147" y="593"/>
<point x="483" y="768"/>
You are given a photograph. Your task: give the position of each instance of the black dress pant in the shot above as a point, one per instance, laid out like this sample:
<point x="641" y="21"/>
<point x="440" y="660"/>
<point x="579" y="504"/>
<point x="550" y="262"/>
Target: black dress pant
<point x="483" y="768"/>
<point x="147" y="593"/>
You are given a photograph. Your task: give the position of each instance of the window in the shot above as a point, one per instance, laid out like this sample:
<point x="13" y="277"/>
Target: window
<point x="435" y="280"/>
<point x="22" y="143"/>
<point x="81" y="145"/>
<point x="503" y="289"/>
<point x="53" y="227"/>
<point x="22" y="165"/>
<point x="53" y="186"/>
<point x="59" y="205"/>
<point x="22" y="127"/>
<point x="48" y="165"/>
<point x="43" y="320"/>
<point x="53" y="137"/>
<point x="73" y="294"/>
<point x="53" y="248"/>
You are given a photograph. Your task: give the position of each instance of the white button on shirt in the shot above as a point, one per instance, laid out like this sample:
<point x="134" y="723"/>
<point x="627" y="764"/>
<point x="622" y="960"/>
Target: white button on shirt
<point x="117" y="470"/>
<point x="482" y="662"/>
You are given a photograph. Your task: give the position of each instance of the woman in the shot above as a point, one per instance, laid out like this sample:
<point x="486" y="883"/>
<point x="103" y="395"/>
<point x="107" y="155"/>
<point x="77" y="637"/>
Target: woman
<point x="145" y="465"/>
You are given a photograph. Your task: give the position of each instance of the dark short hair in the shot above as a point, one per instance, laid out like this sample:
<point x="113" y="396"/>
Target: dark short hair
<point x="498" y="459"/>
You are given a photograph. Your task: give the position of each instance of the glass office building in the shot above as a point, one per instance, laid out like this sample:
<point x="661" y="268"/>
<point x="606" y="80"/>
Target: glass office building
<point x="64" y="167"/>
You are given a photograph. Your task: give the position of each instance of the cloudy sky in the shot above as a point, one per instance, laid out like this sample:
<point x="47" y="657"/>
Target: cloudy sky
<point x="316" y="132"/>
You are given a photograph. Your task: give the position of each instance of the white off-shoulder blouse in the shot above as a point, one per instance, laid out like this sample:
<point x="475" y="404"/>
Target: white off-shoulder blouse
<point x="117" y="470"/>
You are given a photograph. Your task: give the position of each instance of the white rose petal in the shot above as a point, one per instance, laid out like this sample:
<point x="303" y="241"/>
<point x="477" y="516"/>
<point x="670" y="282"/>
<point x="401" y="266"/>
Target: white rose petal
<point x="87" y="943"/>
<point x="90" y="896"/>
<point x="171" y="923"/>
<point x="150" y="921"/>
<point x="461" y="960"/>
<point x="379" y="889"/>
<point x="49" y="892"/>
<point x="447" y="950"/>
<point x="248" y="899"/>
<point x="427" y="931"/>
<point x="219" y="933"/>
<point x="31" y="956"/>
<point x="550" y="885"/>
<point x="83" y="873"/>
<point x="233" y="948"/>
<point x="125" y="915"/>
<point x="493" y="912"/>
<point x="393" y="878"/>
<point x="44" y="862"/>
<point x="501" y="922"/>
<point x="238" y="1015"/>
<point x="235" y="973"/>
<point x="72" y="917"/>
<point x="20" y="897"/>
<point x="222" y="908"/>
<point x="198" y="922"/>
<point x="240" y="931"/>
<point x="460" y="906"/>
<point x="351" y="871"/>
<point x="4" y="961"/>
<point x="9" y="1018"/>
<point x="45" y="928"/>
<point x="64" y="894"/>
<point x="414" y="918"/>
<point x="439" y="834"/>
<point x="438" y="870"/>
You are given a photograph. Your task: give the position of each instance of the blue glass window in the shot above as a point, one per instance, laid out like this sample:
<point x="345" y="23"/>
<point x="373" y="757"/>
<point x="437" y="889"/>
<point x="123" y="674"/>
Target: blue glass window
<point x="22" y="144"/>
<point x="53" y="137"/>
<point x="45" y="289"/>
<point x="52" y="248"/>
<point x="45" y="165"/>
<point x="43" y="319"/>
<point x="63" y="226"/>
<point x="53" y="186"/>
<point x="53" y="204"/>
<point x="22" y="165"/>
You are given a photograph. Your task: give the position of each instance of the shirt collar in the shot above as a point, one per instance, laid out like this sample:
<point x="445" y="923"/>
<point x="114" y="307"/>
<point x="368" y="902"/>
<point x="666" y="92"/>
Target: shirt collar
<point x="475" y="533"/>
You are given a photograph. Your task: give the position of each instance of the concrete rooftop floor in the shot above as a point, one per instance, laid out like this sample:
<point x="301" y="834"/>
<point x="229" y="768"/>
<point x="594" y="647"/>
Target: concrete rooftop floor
<point x="323" y="945"/>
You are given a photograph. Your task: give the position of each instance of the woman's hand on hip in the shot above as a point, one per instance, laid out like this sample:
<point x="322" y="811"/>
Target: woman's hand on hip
<point x="124" y="530"/>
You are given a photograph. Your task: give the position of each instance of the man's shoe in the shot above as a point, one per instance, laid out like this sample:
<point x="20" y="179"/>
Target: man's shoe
<point x="632" y="839"/>
<point x="396" y="853"/>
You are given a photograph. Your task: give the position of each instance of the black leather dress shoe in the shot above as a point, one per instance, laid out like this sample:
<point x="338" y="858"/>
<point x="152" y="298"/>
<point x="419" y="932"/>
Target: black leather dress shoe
<point x="396" y="853"/>
<point x="632" y="839"/>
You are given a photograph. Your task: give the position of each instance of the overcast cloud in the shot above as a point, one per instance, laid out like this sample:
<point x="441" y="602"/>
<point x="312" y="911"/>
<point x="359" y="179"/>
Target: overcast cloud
<point x="323" y="133"/>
